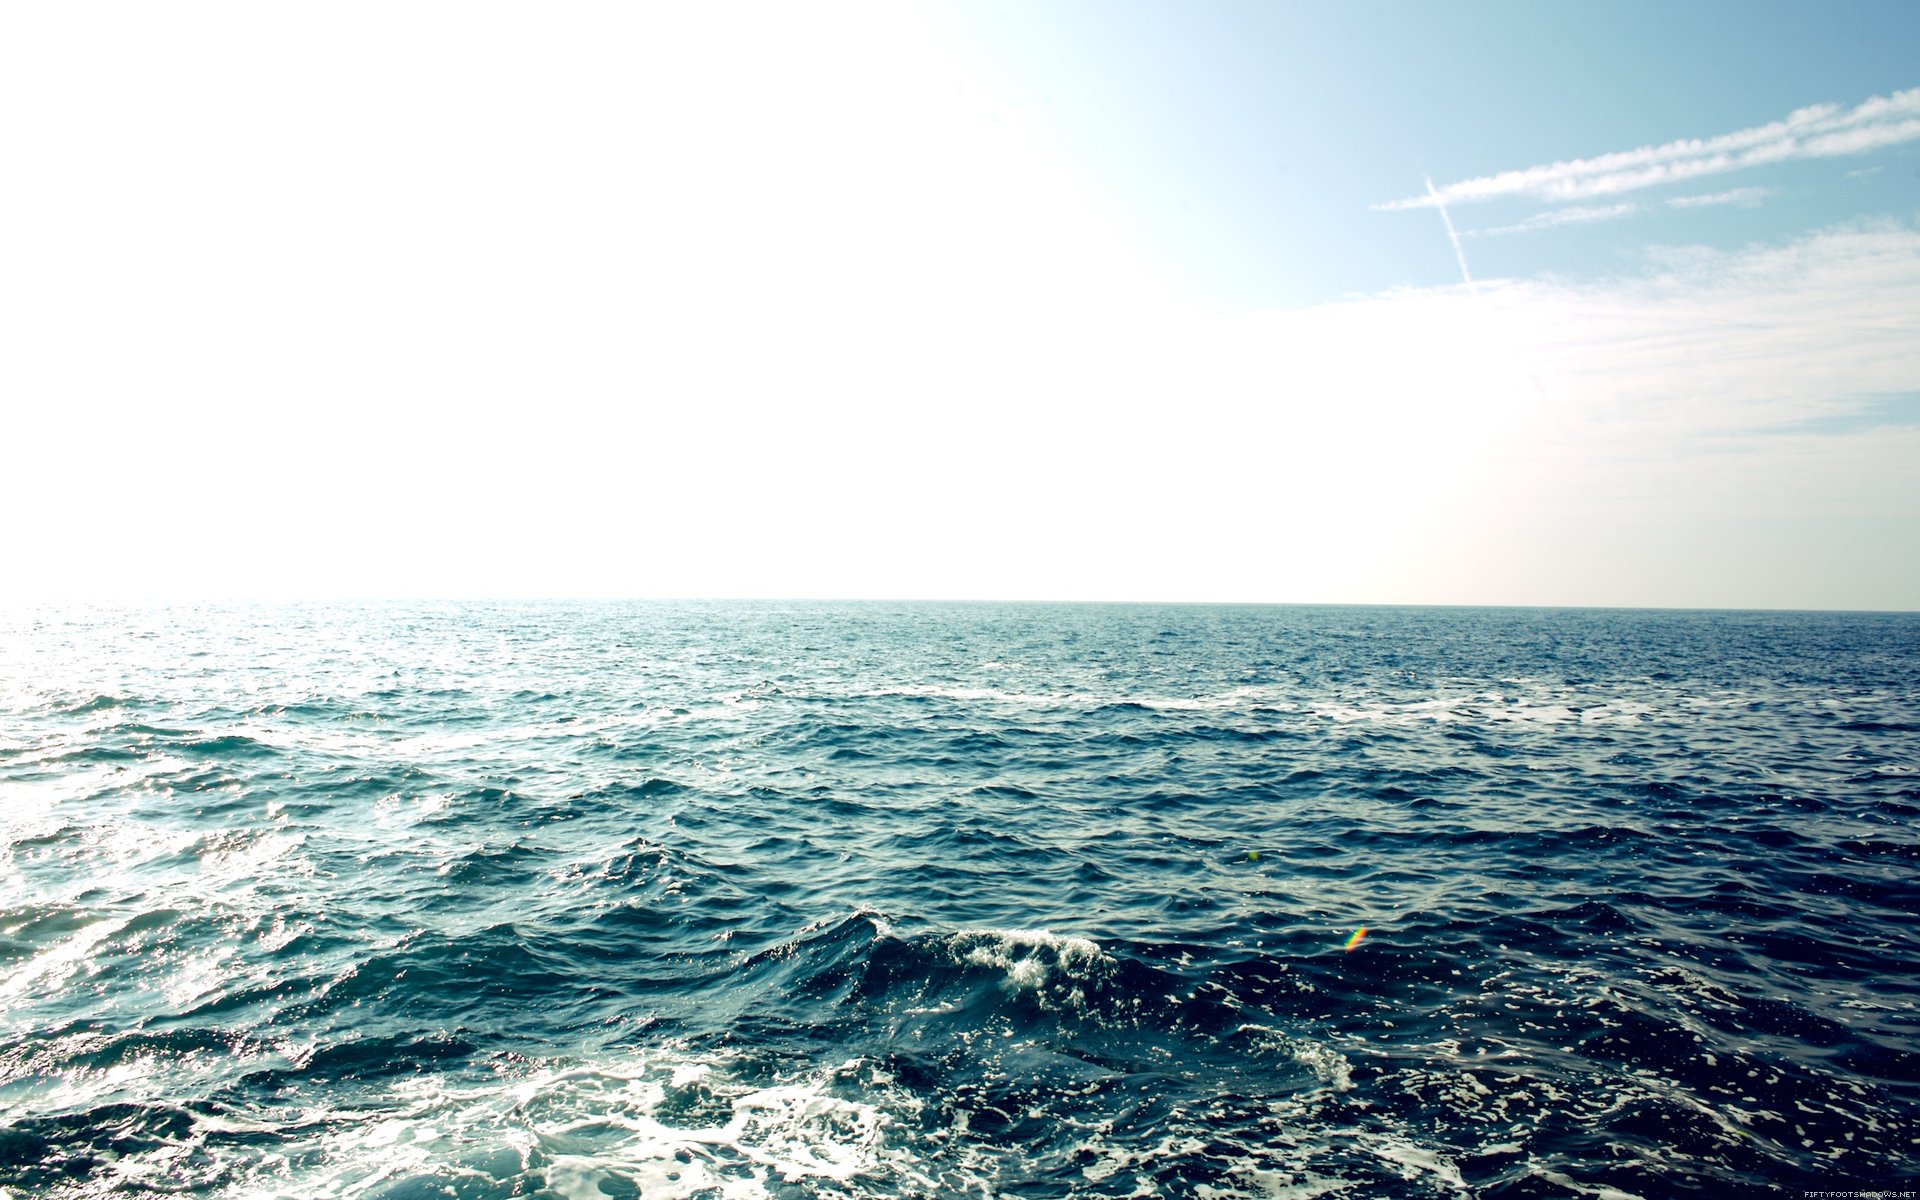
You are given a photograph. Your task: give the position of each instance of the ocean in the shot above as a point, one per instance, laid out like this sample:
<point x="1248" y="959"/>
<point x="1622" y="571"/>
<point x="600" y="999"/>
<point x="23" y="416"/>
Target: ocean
<point x="995" y="900"/>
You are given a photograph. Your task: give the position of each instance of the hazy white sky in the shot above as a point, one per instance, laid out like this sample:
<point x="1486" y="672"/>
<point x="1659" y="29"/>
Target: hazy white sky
<point x="1040" y="301"/>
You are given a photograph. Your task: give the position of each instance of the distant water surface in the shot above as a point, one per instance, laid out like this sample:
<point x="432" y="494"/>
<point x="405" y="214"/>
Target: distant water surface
<point x="794" y="900"/>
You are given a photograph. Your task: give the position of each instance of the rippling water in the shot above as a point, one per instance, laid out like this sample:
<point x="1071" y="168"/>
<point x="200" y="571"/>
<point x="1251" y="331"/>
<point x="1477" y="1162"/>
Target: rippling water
<point x="946" y="900"/>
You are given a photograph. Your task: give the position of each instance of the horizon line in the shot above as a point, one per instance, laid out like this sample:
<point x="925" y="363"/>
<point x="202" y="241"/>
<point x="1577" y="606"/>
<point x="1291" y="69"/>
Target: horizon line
<point x="370" y="600"/>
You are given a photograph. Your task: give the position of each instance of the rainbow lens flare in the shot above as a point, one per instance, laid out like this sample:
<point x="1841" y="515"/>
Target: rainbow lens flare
<point x="1357" y="935"/>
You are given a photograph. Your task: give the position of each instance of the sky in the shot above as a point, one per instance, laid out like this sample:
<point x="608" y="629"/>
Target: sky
<point x="1561" y="304"/>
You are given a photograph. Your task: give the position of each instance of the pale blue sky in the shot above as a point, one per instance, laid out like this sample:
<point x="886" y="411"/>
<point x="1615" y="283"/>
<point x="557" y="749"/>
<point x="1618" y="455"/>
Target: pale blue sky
<point x="1246" y="142"/>
<point x="1024" y="300"/>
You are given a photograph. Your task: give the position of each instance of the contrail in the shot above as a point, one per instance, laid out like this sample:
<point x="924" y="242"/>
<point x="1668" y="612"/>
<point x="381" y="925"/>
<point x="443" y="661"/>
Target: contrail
<point x="1459" y="251"/>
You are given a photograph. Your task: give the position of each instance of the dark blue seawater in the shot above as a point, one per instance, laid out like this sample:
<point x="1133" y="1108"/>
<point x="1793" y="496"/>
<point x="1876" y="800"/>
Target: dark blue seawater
<point x="802" y="900"/>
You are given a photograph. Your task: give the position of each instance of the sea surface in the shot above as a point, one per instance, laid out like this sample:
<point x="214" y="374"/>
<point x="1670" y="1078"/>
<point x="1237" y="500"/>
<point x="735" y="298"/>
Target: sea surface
<point x="889" y="900"/>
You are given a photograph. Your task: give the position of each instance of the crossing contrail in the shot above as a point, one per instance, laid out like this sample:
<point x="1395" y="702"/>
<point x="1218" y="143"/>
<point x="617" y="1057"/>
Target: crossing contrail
<point x="1459" y="251"/>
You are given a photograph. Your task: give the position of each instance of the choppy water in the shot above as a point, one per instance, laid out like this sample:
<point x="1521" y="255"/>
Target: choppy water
<point x="920" y="900"/>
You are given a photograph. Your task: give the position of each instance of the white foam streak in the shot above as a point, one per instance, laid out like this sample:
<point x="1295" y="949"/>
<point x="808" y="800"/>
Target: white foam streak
<point x="670" y="1124"/>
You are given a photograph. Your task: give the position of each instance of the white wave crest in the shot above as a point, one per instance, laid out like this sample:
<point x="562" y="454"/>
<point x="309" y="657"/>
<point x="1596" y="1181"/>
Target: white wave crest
<point x="1029" y="958"/>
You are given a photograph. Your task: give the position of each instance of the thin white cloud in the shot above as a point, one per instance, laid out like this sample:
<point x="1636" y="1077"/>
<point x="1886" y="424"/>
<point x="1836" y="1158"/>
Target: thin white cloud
<point x="1715" y="429"/>
<point x="1745" y="197"/>
<point x="1819" y="131"/>
<point x="1577" y="215"/>
<point x="1859" y="141"/>
<point x="1724" y="343"/>
<point x="1586" y="214"/>
<point x="1453" y="235"/>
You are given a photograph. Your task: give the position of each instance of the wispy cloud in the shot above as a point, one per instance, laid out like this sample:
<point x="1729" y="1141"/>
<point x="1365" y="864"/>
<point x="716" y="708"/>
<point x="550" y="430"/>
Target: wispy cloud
<point x="1580" y="214"/>
<point x="1819" y="131"/>
<point x="1459" y="251"/>
<point x="1726" y="342"/>
<point x="1729" y="423"/>
<point x="1586" y="214"/>
<point x="1745" y="197"/>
